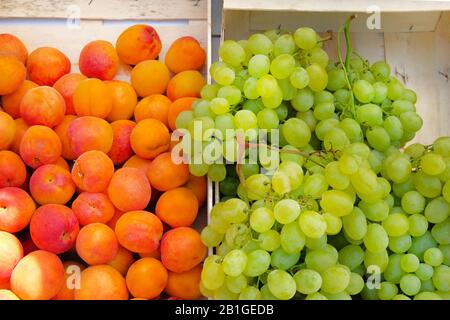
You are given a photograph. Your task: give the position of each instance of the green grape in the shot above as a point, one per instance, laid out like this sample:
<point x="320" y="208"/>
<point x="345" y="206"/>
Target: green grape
<point x="250" y="293"/>
<point x="273" y="101"/>
<point x="245" y="120"/>
<point x="335" y="139"/>
<point x="418" y="224"/>
<point x="198" y="170"/>
<point x="269" y="240"/>
<point x="441" y="278"/>
<point x="355" y="224"/>
<point x="376" y="238"/>
<point x="257" y="186"/>
<point x="387" y="290"/>
<point x="363" y="91"/>
<point x="209" y="91"/>
<point x="258" y="262"/>
<point x="324" y="110"/>
<point x="377" y="211"/>
<point x="299" y="78"/>
<point x="287" y="90"/>
<point x="212" y="275"/>
<point x="335" y="279"/>
<point x="380" y="70"/>
<point x="282" y="112"/>
<point x="336" y="202"/>
<point x="401" y="106"/>
<point x="292" y="154"/>
<point x="249" y="169"/>
<point x="224" y="248"/>
<point x="335" y="178"/>
<point x="316" y="296"/>
<point x="396" y="224"/>
<point x="231" y="93"/>
<point x="333" y="222"/>
<point x="320" y="260"/>
<point x="411" y="121"/>
<point x="433" y="257"/>
<point x="267" y="86"/>
<point x="292" y="238"/>
<point x="260" y="44"/>
<point x="401" y="297"/>
<point x="428" y="186"/>
<point x="400" y="189"/>
<point x="280" y="259"/>
<point x="364" y="180"/>
<point x="286" y="211"/>
<point x="293" y="171"/>
<point x="324" y="126"/>
<point x="296" y="132"/>
<point x="442" y="146"/>
<point x="367" y="76"/>
<point x="307" y="281"/>
<point x="318" y="243"/>
<point x="284" y="44"/>
<point x="267" y="119"/>
<point x="348" y="164"/>
<point x="281" y="183"/>
<point x="380" y="259"/>
<point x="258" y="66"/>
<point x="266" y="294"/>
<point x="184" y="119"/>
<point x="398" y="169"/>
<point x="225" y="124"/>
<point x="223" y="75"/>
<point x="231" y="53"/>
<point x="378" y="138"/>
<point x="427" y="296"/>
<point x="239" y="80"/>
<point x="228" y="186"/>
<point x="217" y="172"/>
<point x="281" y="284"/>
<point x="219" y="106"/>
<point x="393" y="272"/>
<point x="336" y="79"/>
<point x="380" y="92"/>
<point x="234" y="210"/>
<point x="305" y="38"/>
<point x="409" y="263"/>
<point x="437" y="210"/>
<point x="309" y="119"/>
<point x="432" y="163"/>
<point x="303" y="100"/>
<point x="282" y="66"/>
<point x="224" y="294"/>
<point x="319" y="56"/>
<point x="342" y="96"/>
<point x="351" y="256"/>
<point x="424" y="272"/>
<point x="393" y="127"/>
<point x="272" y="34"/>
<point x="262" y="220"/>
<point x="355" y="285"/>
<point x="236" y="284"/>
<point x="210" y="237"/>
<point x="422" y="243"/>
<point x="315" y="185"/>
<point x="234" y="262"/>
<point x="395" y="90"/>
<point x="409" y="95"/>
<point x="318" y="77"/>
<point x="352" y="129"/>
<point x="323" y="96"/>
<point x="370" y="115"/>
<point x="410" y="284"/>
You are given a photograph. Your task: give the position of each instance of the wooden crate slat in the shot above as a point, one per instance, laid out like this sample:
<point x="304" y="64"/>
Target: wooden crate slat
<point x="106" y="9"/>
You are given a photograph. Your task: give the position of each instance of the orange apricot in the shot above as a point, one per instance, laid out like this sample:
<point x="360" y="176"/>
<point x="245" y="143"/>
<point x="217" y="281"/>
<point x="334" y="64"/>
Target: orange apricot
<point x="117" y="214"/>
<point x="177" y="207"/>
<point x="61" y="131"/>
<point x="62" y="164"/>
<point x="40" y="145"/>
<point x="7" y="130"/>
<point x="122" y="261"/>
<point x="99" y="59"/>
<point x="46" y="65"/>
<point x="185" y="53"/>
<point x="155" y="106"/>
<point x="72" y="269"/>
<point x="66" y="86"/>
<point x="96" y="244"/>
<point x="93" y="207"/>
<point x="178" y="106"/>
<point x="6" y="294"/>
<point x="16" y="208"/>
<point x="11" y="46"/>
<point x="150" y="77"/>
<point x="124" y="100"/>
<point x="11" y="251"/>
<point x="149" y="138"/>
<point x="121" y="148"/>
<point x="146" y="278"/>
<point x="138" y="163"/>
<point x="155" y="254"/>
<point x="164" y="174"/>
<point x="21" y="127"/>
<point x="13" y="172"/>
<point x="138" y="43"/>
<point x="11" y="102"/>
<point x="198" y="186"/>
<point x="92" y="98"/>
<point x="185" y="84"/>
<point x="185" y="285"/>
<point x="12" y="75"/>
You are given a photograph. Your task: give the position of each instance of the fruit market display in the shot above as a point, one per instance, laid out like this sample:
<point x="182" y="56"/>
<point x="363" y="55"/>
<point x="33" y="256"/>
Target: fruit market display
<point x="342" y="207"/>
<point x="91" y="204"/>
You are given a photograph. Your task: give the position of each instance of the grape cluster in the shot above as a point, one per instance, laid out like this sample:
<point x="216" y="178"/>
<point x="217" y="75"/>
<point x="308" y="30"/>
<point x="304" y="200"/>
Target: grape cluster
<point x="344" y="212"/>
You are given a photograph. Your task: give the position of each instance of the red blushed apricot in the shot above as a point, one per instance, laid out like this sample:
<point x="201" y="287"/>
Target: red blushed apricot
<point x="42" y="106"/>
<point x="51" y="184"/>
<point x="7" y="130"/>
<point x="8" y="295"/>
<point x="177" y="207"/>
<point x="66" y="86"/>
<point x="72" y="269"/>
<point x="11" y="251"/>
<point x="93" y="207"/>
<point x="150" y="77"/>
<point x="138" y="163"/>
<point x="62" y="163"/>
<point x="129" y="190"/>
<point x="139" y="231"/>
<point x="13" y="172"/>
<point x="21" y="127"/>
<point x="12" y="75"/>
<point x="138" y="43"/>
<point x="121" y="148"/>
<point x="46" y="65"/>
<point x="185" y="84"/>
<point x="184" y="285"/>
<point x="122" y="261"/>
<point x="40" y="145"/>
<point x="54" y="228"/>
<point x="97" y="244"/>
<point x="11" y="102"/>
<point x="150" y="138"/>
<point x="198" y="186"/>
<point x="182" y="249"/>
<point x="92" y="98"/>
<point x="99" y="59"/>
<point x="178" y="106"/>
<point x="101" y="283"/>
<point x="92" y="171"/>
<point x="117" y="214"/>
<point x="124" y="100"/>
<point x="89" y="133"/>
<point x="38" y="276"/>
<point x="185" y="53"/>
<point x="61" y="131"/>
<point x="146" y="278"/>
<point x="11" y="46"/>
<point x="164" y="174"/>
<point x="155" y="106"/>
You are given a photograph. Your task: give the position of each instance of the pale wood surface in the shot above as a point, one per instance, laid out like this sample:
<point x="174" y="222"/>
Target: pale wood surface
<point x="106" y="9"/>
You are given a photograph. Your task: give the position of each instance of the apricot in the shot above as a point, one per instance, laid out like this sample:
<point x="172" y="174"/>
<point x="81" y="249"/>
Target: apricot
<point x="93" y="207"/>
<point x="46" y="65"/>
<point x="6" y="294"/>
<point x="155" y="254"/>
<point x="99" y="59"/>
<point x="129" y="189"/>
<point x="40" y="145"/>
<point x="54" y="228"/>
<point x="178" y="106"/>
<point x="150" y="77"/>
<point x="138" y="43"/>
<point x="89" y="133"/>
<point x="139" y="231"/>
<point x="7" y="130"/>
<point x="124" y="100"/>
<point x="38" y="276"/>
<point x="11" y="46"/>
<point x="96" y="244"/>
<point x="177" y="207"/>
<point x="12" y="75"/>
<point x="72" y="270"/>
<point x="92" y="98"/>
<point x="150" y="138"/>
<point x="62" y="163"/>
<point x="185" y="53"/>
<point x="43" y="106"/>
<point x="121" y="148"/>
<point x="185" y="84"/>
<point x="184" y="285"/>
<point x="66" y="86"/>
<point x="138" y="163"/>
<point x="117" y="214"/>
<point x="21" y="127"/>
<point x="164" y="174"/>
<point x="122" y="261"/>
<point x="198" y="186"/>
<point x="146" y="278"/>
<point x="92" y="171"/>
<point x="182" y="249"/>
<point x="61" y="131"/>
<point x="11" y="251"/>
<point x="11" y="102"/>
<point x="101" y="283"/>
<point x="155" y="106"/>
<point x="16" y="209"/>
<point x="13" y="172"/>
